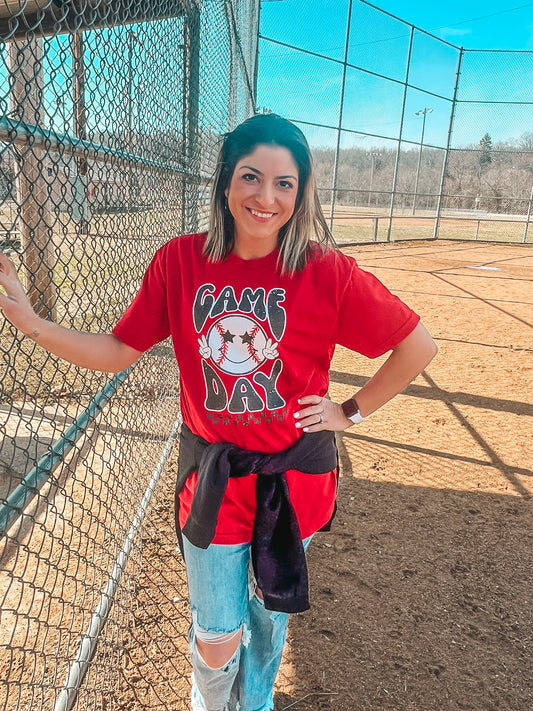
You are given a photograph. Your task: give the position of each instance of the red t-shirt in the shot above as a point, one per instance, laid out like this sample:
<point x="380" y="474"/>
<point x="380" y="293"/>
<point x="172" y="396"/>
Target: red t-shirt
<point x="249" y="342"/>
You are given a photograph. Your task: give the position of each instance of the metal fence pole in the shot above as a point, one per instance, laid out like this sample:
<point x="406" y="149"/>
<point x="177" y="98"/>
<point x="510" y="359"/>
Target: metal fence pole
<point x="33" y="482"/>
<point x="528" y="216"/>
<point x="256" y="58"/>
<point x="399" y="148"/>
<point x="233" y="93"/>
<point x="448" y="144"/>
<point x="89" y="641"/>
<point x="19" y="133"/>
<point x="341" y="109"/>
<point x="192" y="102"/>
<point x="79" y="206"/>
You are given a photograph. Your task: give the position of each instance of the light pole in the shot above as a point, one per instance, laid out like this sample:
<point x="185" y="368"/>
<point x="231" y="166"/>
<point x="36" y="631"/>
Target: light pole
<point x="373" y="157"/>
<point x="424" y="113"/>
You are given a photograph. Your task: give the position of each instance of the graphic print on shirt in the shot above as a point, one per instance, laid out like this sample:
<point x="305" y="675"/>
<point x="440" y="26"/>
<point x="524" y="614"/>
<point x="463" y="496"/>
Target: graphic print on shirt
<point x="238" y="343"/>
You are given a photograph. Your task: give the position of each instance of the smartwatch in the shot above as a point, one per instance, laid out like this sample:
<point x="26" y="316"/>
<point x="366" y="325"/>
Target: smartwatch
<point x="351" y="410"/>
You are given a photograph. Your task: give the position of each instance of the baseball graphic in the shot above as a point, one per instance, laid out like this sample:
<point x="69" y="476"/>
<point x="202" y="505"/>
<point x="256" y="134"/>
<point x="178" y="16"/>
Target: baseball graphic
<point x="237" y="345"/>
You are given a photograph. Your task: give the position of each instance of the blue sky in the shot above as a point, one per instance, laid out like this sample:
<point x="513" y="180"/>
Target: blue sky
<point x="307" y="88"/>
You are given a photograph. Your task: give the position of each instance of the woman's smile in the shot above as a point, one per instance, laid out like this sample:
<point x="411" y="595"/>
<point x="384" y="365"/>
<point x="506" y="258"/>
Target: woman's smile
<point x="261" y="215"/>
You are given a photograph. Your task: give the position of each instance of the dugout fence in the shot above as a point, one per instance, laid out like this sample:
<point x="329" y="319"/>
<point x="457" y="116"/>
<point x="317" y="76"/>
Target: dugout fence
<point x="110" y="118"/>
<point x="414" y="137"/>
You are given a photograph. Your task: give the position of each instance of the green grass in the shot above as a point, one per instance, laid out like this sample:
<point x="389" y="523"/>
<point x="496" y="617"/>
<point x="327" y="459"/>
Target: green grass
<point x="497" y="231"/>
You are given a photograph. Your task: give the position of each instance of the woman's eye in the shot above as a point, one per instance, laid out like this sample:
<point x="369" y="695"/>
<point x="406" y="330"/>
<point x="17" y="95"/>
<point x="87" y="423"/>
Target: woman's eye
<point x="287" y="185"/>
<point x="249" y="177"/>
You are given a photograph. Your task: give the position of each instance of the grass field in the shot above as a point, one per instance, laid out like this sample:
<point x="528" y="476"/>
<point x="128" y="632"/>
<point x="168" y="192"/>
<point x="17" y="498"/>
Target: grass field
<point x="358" y="225"/>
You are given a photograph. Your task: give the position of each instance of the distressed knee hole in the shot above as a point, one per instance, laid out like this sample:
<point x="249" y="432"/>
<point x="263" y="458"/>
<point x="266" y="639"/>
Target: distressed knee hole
<point x="217" y="649"/>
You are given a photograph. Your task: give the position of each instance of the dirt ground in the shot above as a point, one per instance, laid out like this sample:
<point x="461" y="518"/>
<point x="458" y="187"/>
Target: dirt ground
<point x="422" y="593"/>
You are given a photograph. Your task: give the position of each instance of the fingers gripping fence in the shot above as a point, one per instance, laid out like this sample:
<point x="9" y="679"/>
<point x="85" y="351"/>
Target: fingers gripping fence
<point x="110" y="116"/>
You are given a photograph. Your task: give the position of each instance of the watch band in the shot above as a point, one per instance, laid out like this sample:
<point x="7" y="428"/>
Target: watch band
<point x="351" y="410"/>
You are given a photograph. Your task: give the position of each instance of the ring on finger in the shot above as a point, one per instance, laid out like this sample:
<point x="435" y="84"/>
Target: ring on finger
<point x="321" y="420"/>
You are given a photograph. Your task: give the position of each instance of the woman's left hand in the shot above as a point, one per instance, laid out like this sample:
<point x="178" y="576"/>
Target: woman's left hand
<point x="319" y="413"/>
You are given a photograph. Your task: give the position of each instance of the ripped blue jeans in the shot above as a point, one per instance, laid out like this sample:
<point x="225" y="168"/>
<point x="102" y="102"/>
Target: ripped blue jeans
<point x="223" y="601"/>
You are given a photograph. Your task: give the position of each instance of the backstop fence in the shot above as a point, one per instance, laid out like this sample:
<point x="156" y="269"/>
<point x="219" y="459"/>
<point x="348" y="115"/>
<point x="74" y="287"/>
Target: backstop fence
<point x="110" y="118"/>
<point x="413" y="136"/>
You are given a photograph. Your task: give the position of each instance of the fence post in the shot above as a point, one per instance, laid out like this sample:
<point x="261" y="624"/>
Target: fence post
<point x="341" y="110"/>
<point x="256" y="59"/>
<point x="90" y="639"/>
<point x="191" y="80"/>
<point x="528" y="216"/>
<point x="397" y="159"/>
<point x="79" y="203"/>
<point x="25" y="59"/>
<point x="233" y="93"/>
<point x="448" y="143"/>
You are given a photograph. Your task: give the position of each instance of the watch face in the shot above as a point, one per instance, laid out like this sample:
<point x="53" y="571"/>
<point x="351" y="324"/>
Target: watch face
<point x="350" y="407"/>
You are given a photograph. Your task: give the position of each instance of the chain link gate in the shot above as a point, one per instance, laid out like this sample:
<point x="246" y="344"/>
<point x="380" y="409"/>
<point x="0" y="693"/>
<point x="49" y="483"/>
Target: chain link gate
<point x="110" y="117"/>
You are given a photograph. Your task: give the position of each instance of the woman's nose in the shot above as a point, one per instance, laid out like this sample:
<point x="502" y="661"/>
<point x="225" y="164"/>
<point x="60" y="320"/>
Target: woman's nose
<point x="265" y="195"/>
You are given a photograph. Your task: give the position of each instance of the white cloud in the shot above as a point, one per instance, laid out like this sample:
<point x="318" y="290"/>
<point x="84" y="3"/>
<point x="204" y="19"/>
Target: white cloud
<point x="529" y="44"/>
<point x="454" y="32"/>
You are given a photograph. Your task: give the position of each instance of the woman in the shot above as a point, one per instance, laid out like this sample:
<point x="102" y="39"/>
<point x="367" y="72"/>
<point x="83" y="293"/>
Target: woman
<point x="255" y="309"/>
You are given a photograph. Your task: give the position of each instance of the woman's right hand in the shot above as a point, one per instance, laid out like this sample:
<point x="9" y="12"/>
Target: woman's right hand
<point x="15" y="303"/>
<point x="97" y="351"/>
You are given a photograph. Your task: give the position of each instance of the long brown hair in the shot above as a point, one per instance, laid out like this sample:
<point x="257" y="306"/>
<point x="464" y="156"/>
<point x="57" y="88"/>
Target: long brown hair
<point x="307" y="221"/>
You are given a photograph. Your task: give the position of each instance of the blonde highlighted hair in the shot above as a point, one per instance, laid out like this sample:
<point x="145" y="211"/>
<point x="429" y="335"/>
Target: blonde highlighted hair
<point x="307" y="221"/>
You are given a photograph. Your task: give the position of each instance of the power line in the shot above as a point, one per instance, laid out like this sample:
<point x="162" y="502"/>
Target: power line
<point x="482" y="17"/>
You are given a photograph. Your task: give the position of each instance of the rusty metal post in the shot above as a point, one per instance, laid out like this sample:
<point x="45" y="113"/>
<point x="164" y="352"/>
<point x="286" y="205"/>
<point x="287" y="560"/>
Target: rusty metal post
<point x="35" y="223"/>
<point x="80" y="120"/>
<point x="80" y="131"/>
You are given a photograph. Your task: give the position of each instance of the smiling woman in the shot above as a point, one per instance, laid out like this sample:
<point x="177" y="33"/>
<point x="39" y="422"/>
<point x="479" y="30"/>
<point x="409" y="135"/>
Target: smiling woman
<point x="255" y="308"/>
<point x="272" y="156"/>
<point x="261" y="199"/>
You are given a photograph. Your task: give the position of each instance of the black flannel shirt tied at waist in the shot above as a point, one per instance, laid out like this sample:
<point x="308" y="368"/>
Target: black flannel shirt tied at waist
<point x="278" y="556"/>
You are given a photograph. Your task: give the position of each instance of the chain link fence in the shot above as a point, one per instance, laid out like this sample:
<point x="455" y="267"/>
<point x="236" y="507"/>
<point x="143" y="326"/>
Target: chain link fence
<point x="414" y="137"/>
<point x="110" y="118"/>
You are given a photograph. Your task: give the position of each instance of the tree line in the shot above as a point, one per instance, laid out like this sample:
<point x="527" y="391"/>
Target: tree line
<point x="485" y="176"/>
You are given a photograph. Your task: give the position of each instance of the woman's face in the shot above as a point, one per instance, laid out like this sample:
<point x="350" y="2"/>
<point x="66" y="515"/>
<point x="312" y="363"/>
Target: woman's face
<point x="261" y="197"/>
